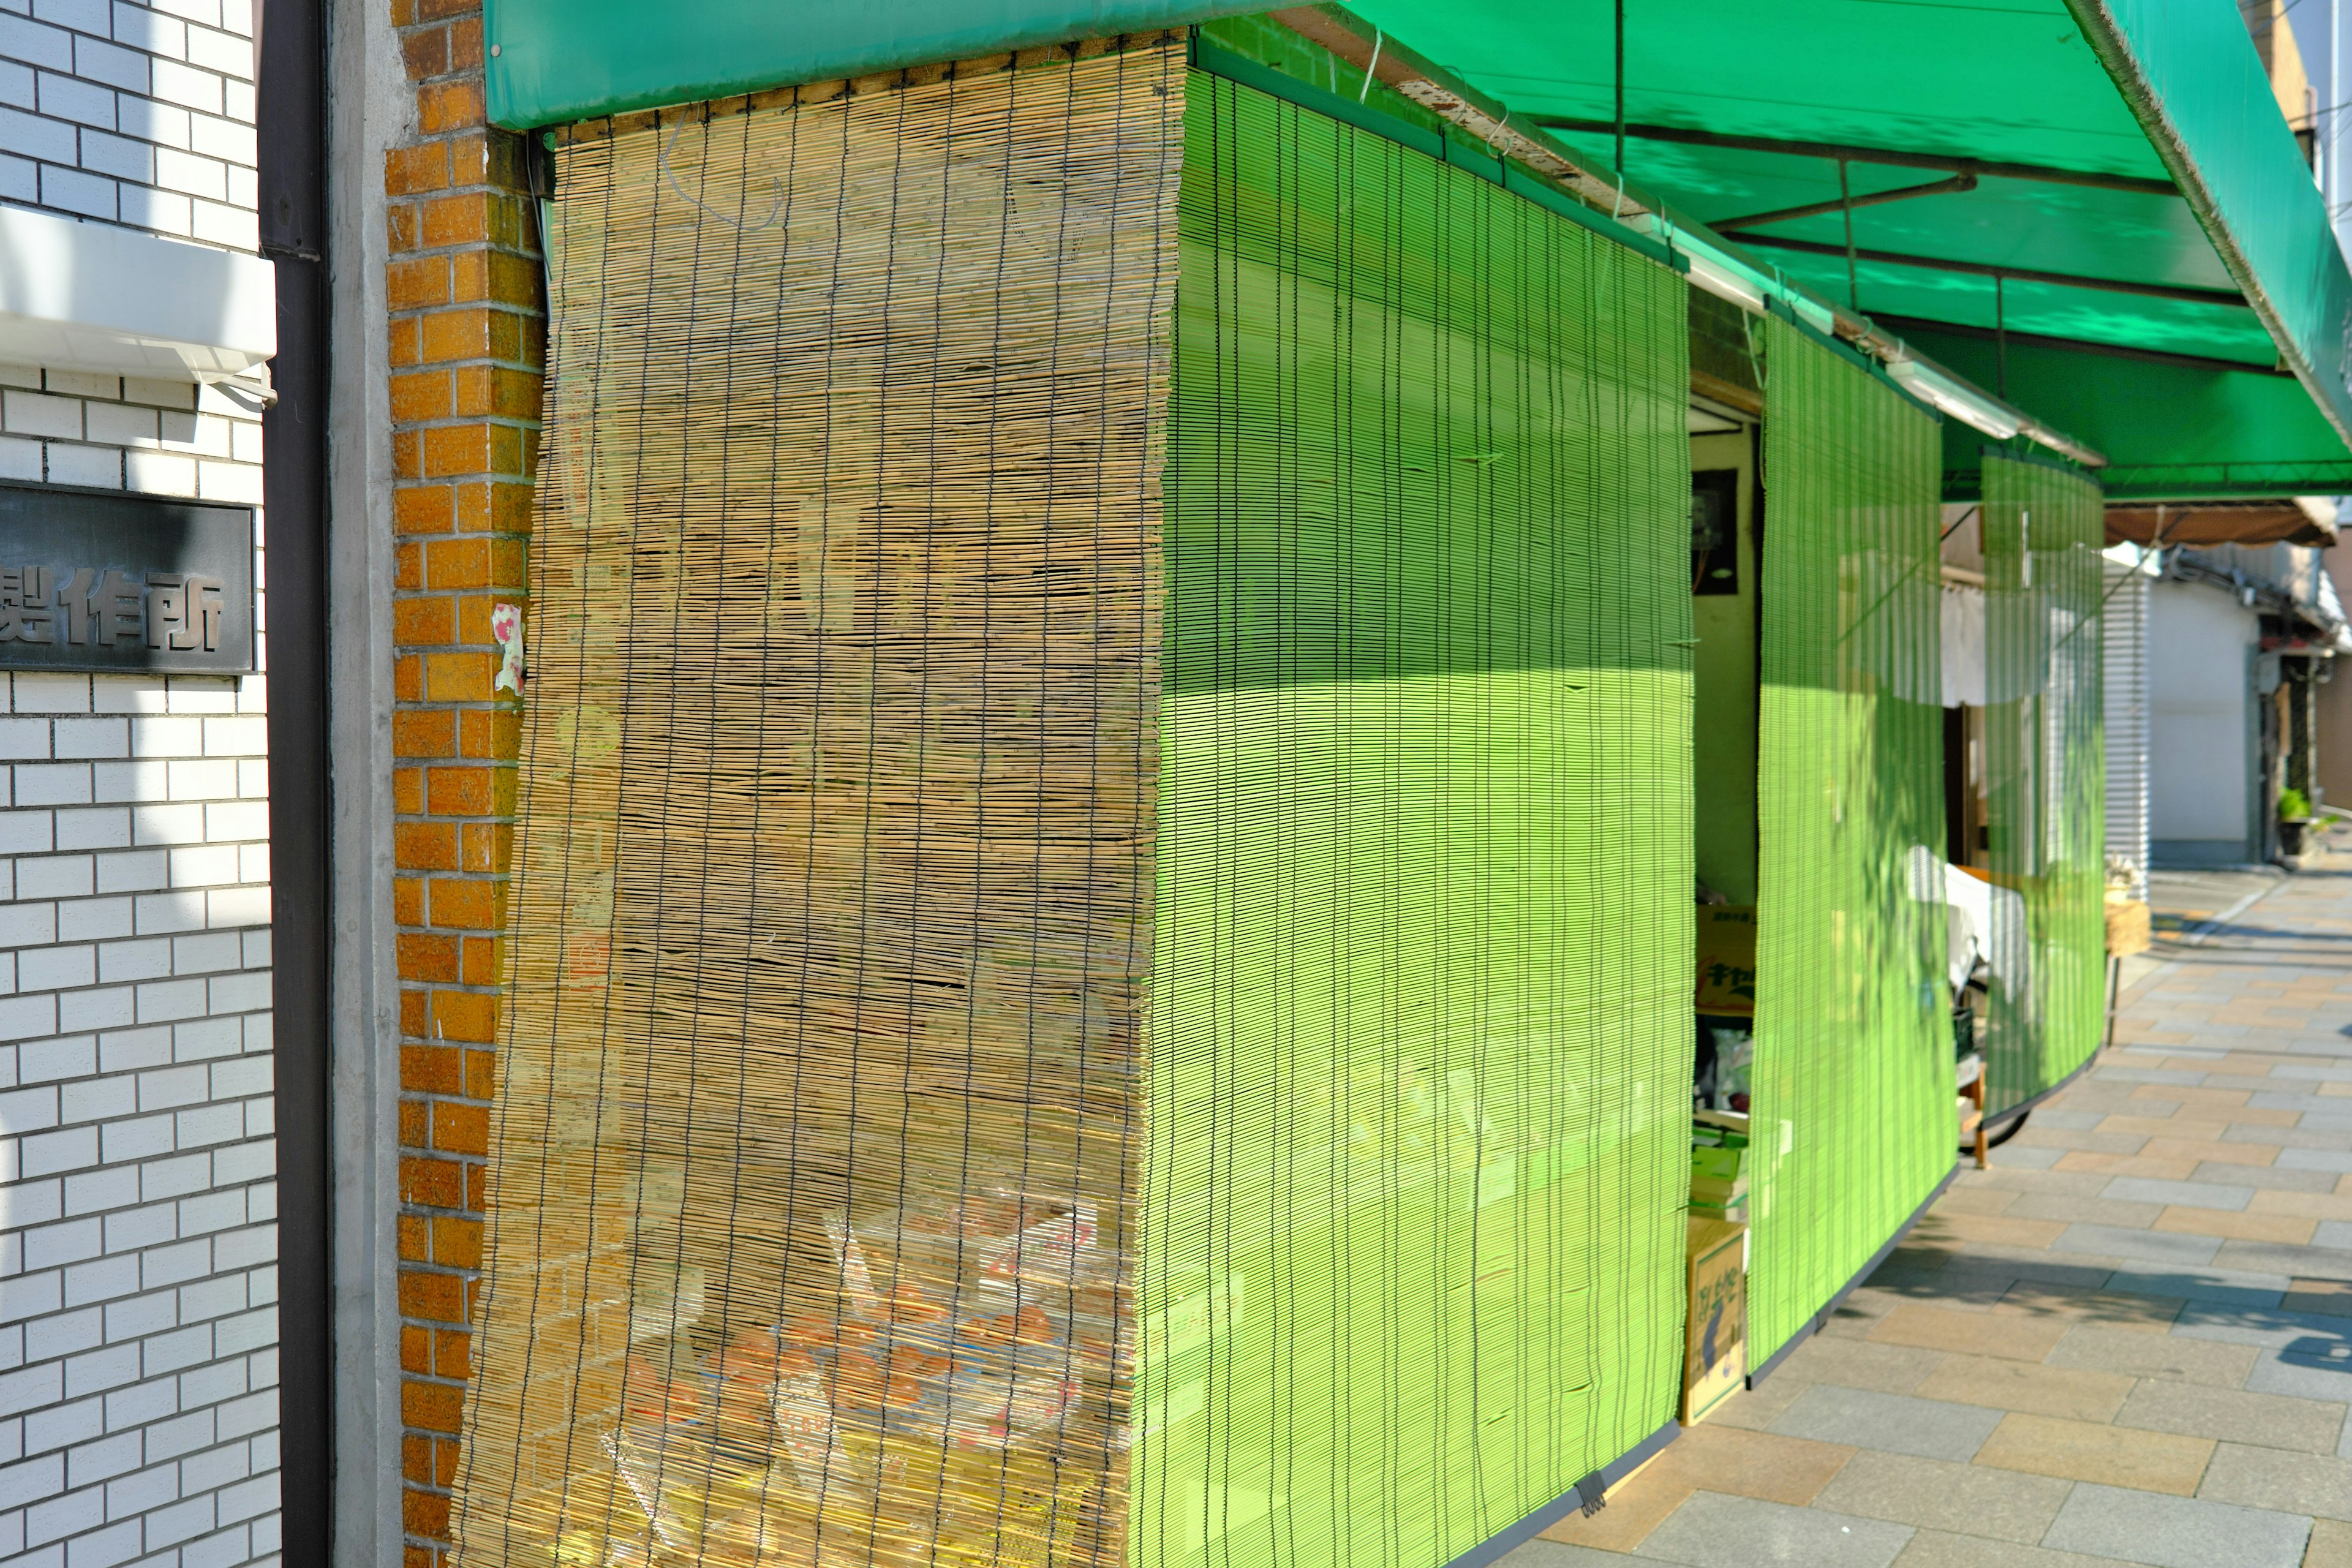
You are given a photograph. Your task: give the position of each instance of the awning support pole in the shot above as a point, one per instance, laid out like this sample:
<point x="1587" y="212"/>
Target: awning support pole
<point x="2001" y="335"/>
<point x="1845" y="205"/>
<point x="1621" y="88"/>
<point x="1953" y="187"/>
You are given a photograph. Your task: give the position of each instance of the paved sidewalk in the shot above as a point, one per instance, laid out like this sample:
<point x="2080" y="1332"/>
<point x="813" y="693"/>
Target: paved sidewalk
<point x="2130" y="1340"/>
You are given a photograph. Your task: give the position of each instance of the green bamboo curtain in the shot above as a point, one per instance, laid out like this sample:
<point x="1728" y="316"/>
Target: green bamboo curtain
<point x="2045" y="774"/>
<point x="1412" y="1239"/>
<point x="1854" y="1120"/>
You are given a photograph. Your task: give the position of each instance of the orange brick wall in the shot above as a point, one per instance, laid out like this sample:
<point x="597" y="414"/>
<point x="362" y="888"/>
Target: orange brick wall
<point x="466" y="332"/>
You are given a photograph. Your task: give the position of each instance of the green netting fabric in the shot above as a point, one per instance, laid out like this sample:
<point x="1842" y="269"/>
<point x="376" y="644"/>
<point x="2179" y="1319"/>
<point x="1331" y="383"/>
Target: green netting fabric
<point x="1411" y="1242"/>
<point x="2045" y="761"/>
<point x="1853" y="1077"/>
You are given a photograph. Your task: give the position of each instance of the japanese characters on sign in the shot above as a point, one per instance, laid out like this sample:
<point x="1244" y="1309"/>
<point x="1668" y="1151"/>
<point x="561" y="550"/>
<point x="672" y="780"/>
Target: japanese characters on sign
<point x="91" y="579"/>
<point x="88" y="605"/>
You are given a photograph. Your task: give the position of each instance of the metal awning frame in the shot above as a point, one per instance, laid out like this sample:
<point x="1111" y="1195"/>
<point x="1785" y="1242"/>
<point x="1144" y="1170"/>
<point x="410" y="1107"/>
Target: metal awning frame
<point x="1717" y="263"/>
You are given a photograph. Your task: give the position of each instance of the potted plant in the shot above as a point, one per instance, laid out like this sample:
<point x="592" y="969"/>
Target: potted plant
<point x="2293" y="821"/>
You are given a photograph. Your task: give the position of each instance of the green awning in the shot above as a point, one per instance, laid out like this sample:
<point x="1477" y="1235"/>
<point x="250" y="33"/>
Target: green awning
<point x="2113" y="173"/>
<point x="554" y="61"/>
<point x="2133" y="186"/>
<point x="2171" y="429"/>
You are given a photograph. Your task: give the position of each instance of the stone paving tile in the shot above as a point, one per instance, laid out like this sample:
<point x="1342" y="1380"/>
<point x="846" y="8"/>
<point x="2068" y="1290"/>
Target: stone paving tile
<point x="2220" y="1147"/>
<point x="2303" y="1205"/>
<point x="2026" y="1159"/>
<point x="2303" y="1101"/>
<point x="2033" y="1184"/>
<point x="2147" y="1126"/>
<point x="2290" y="1483"/>
<point x="2066" y="1138"/>
<point x="2235" y="1286"/>
<point x="2291" y="1370"/>
<point x="1543" y="1554"/>
<point x="2196" y="1194"/>
<point x="2069" y="1392"/>
<point x="1859" y="1364"/>
<point x="2113" y="1241"/>
<point x="1975" y="1200"/>
<point x="2338" y="1160"/>
<point x="2247" y="1116"/>
<point x="1981" y="1290"/>
<point x="2171" y="1356"/>
<point x="1755" y="1409"/>
<point x="2282" y="1138"/>
<point x="2205" y="1099"/>
<point x="1873" y="1301"/>
<point x="2224" y="1173"/>
<point x="2177" y="1533"/>
<point x="2114" y="1309"/>
<point x="2270" y="1328"/>
<point x="1717" y="1459"/>
<point x="2231" y="1225"/>
<point x="1967" y="1275"/>
<point x="2082" y="1160"/>
<point x="2317" y="1262"/>
<point x="1712" y="1531"/>
<point x="1938" y="1494"/>
<point x="2312" y="1122"/>
<point x="2003" y="1228"/>
<point x="2233" y="1415"/>
<point x="2088" y="1211"/>
<point x="1890" y="1423"/>
<point x="2319" y="1298"/>
<point x="1973" y="1333"/>
<point x="1936" y="1549"/>
<point x="2116" y="1098"/>
<point x="2090" y="1451"/>
<point x="2331" y="1545"/>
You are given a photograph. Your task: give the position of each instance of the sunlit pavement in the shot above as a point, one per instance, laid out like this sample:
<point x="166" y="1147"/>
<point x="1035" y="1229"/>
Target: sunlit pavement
<point x="2129" y="1341"/>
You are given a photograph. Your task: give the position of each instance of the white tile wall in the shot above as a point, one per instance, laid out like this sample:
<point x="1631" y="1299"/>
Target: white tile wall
<point x="164" y="437"/>
<point x="139" y="114"/>
<point x="138" y="1201"/>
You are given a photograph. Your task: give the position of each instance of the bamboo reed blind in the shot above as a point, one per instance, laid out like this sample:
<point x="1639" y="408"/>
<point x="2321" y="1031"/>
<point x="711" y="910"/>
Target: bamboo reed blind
<point x="1412" y="1239"/>
<point x="1044" y="1034"/>
<point x="811" y="1190"/>
<point x="1852" y="1099"/>
<point x="2045" y="756"/>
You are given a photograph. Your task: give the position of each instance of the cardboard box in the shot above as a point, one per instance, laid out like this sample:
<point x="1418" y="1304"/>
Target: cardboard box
<point x="2128" y="927"/>
<point x="1714" y="1358"/>
<point x="1726" y="961"/>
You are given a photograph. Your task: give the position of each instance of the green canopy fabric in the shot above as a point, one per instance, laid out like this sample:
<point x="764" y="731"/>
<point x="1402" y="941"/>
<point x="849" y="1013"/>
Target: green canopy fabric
<point x="1852" y="1111"/>
<point x="1410" y="1249"/>
<point x="2115" y="172"/>
<point x="2132" y="175"/>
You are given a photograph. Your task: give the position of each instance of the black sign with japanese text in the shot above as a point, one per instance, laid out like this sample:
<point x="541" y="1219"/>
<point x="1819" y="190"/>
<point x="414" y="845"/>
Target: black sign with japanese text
<point x="98" y="580"/>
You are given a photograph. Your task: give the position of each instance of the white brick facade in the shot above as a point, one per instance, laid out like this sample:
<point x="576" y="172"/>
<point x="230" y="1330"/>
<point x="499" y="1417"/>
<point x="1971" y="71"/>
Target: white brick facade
<point x="137" y="1248"/>
<point x="138" y="1280"/>
<point x="134" y="114"/>
<point x="137" y="1197"/>
<point x="161" y="437"/>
